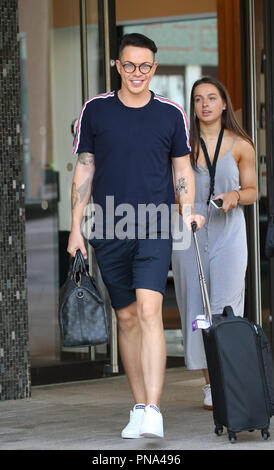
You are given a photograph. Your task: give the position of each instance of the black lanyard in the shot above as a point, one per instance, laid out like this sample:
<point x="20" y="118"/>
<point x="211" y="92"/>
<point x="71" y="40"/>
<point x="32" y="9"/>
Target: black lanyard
<point x="212" y="167"/>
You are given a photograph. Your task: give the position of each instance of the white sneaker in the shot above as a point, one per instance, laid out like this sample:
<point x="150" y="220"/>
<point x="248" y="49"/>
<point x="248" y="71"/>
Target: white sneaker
<point x="152" y="425"/>
<point x="207" y="397"/>
<point x="132" y="429"/>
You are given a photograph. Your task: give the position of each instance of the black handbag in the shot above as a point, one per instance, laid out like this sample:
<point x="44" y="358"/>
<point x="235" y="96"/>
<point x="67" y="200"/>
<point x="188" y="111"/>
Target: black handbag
<point x="83" y="318"/>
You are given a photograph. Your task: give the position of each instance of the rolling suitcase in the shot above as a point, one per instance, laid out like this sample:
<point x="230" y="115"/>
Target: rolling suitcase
<point x="240" y="368"/>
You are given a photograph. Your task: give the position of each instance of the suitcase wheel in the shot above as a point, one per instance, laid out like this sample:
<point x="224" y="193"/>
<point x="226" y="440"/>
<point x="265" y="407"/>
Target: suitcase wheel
<point x="265" y="434"/>
<point x="232" y="436"/>
<point x="219" y="429"/>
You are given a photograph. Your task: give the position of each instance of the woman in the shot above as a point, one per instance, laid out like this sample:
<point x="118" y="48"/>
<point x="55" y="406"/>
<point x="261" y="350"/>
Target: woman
<point x="222" y="240"/>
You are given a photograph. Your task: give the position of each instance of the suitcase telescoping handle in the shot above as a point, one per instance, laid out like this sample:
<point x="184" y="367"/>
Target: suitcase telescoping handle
<point x="205" y="298"/>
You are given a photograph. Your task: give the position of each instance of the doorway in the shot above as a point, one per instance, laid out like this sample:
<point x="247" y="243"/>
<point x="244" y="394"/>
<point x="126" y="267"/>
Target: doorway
<point x="68" y="49"/>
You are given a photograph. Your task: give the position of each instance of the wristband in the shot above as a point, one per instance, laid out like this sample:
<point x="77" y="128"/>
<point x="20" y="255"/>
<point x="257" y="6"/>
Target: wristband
<point x="238" y="194"/>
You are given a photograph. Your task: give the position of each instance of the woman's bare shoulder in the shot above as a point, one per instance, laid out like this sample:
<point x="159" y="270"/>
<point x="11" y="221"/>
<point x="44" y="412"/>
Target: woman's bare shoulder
<point x="243" y="148"/>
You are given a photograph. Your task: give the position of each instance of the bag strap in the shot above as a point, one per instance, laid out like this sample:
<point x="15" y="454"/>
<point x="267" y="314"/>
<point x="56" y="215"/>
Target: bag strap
<point x="228" y="311"/>
<point x="212" y="166"/>
<point x="81" y="260"/>
<point x="78" y="262"/>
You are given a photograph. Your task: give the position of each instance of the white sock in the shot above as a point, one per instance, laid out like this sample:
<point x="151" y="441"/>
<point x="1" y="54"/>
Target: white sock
<point x="139" y="406"/>
<point x="155" y="408"/>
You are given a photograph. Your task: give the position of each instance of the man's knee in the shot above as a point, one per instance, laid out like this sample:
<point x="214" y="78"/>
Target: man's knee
<point x="127" y="317"/>
<point x="149" y="311"/>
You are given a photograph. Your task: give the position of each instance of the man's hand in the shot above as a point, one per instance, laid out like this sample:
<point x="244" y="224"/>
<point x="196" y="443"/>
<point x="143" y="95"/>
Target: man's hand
<point x="76" y="242"/>
<point x="189" y="218"/>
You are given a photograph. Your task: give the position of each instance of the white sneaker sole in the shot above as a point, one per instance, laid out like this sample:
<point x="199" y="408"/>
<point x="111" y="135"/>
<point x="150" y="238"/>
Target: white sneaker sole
<point x="151" y="434"/>
<point x="132" y="436"/>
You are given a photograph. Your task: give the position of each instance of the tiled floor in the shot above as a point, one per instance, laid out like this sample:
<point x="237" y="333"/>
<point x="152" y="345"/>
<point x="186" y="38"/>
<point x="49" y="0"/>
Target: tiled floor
<point x="90" y="415"/>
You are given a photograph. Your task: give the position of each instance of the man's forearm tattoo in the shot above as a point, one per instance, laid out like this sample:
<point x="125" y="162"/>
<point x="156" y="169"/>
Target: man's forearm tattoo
<point x="86" y="158"/>
<point x="78" y="194"/>
<point x="181" y="185"/>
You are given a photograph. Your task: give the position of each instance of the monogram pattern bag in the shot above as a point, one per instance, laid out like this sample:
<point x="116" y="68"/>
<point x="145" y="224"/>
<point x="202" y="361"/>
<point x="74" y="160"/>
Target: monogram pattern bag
<point x="83" y="318"/>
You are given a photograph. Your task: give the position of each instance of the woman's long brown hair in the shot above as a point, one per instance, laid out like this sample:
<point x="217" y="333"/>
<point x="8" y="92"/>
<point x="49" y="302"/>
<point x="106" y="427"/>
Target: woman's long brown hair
<point x="228" y="118"/>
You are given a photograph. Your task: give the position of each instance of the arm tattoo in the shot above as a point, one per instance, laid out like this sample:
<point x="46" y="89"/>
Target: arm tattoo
<point x="181" y="185"/>
<point x="86" y="158"/>
<point x="78" y="194"/>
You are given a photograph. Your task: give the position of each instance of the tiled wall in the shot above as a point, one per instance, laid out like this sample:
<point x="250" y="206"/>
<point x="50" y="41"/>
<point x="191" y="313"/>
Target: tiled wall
<point x="14" y="355"/>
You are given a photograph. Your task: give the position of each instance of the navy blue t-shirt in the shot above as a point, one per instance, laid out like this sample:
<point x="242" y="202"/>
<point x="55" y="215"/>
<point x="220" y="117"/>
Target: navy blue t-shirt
<point x="133" y="148"/>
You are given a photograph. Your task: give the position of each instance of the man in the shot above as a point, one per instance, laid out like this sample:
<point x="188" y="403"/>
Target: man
<point x="127" y="143"/>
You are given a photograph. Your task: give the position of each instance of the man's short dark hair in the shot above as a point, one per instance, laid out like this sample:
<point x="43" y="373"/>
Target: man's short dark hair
<point x="137" y="40"/>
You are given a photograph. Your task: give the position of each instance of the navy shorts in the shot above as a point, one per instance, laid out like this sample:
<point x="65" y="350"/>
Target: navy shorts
<point x="130" y="264"/>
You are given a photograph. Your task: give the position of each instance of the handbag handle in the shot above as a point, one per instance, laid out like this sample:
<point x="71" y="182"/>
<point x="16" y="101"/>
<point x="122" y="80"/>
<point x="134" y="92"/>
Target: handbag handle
<point x="228" y="311"/>
<point x="82" y="261"/>
<point x="78" y="260"/>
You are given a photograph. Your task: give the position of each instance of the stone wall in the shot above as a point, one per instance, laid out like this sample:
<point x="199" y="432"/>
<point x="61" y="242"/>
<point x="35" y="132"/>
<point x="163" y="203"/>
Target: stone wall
<point x="14" y="350"/>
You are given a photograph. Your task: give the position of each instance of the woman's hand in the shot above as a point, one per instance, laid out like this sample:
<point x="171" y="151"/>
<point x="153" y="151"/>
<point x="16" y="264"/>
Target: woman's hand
<point x="230" y="200"/>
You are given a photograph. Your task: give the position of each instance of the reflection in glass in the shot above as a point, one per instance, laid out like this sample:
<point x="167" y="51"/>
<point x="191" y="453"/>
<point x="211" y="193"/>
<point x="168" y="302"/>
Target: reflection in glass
<point x="51" y="103"/>
<point x="186" y="50"/>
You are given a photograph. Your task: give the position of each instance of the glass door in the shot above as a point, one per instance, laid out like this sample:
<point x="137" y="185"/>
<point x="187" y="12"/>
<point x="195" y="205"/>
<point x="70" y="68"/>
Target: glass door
<point x="263" y="161"/>
<point x="264" y="15"/>
<point x="257" y="19"/>
<point x="58" y="72"/>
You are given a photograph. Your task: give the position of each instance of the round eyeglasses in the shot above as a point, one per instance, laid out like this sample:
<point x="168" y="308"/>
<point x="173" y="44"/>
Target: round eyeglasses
<point x="129" y="67"/>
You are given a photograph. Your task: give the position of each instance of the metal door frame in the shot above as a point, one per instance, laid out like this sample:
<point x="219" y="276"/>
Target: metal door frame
<point x="253" y="301"/>
<point x="269" y="73"/>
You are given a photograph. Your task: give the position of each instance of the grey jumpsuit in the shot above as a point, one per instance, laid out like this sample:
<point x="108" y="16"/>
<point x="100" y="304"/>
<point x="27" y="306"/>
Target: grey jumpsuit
<point x="223" y="247"/>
